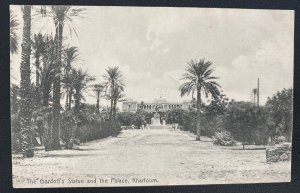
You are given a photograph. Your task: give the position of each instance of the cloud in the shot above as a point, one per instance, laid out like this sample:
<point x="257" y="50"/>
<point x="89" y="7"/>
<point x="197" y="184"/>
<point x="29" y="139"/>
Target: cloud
<point x="152" y="45"/>
<point x="165" y="50"/>
<point x="155" y="44"/>
<point x="272" y="62"/>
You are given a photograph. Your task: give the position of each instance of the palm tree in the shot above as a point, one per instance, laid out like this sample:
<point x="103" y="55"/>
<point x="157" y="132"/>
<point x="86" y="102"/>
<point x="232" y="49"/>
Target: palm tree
<point x="62" y="16"/>
<point x="47" y="70"/>
<point x="14" y="93"/>
<point x="198" y="75"/>
<point x="13" y="35"/>
<point x="98" y="88"/>
<point x="38" y="45"/>
<point x="25" y="103"/>
<point x="47" y="74"/>
<point x="117" y="96"/>
<point x="113" y="85"/>
<point x="80" y="84"/>
<point x="70" y="55"/>
<point x="254" y="91"/>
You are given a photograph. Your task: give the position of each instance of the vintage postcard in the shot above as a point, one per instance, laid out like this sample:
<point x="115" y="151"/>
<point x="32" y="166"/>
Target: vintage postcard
<point x="150" y="96"/>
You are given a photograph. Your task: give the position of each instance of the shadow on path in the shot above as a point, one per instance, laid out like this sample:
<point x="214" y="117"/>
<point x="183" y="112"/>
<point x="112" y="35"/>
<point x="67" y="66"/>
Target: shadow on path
<point x="68" y="155"/>
<point x="258" y="148"/>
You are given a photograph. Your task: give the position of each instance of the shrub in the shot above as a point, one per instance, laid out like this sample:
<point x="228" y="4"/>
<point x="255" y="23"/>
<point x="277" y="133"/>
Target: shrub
<point x="42" y="121"/>
<point x="15" y="142"/>
<point x="246" y="122"/>
<point x="281" y="139"/>
<point x="211" y="125"/>
<point x="96" y="129"/>
<point x="15" y="133"/>
<point x="223" y="138"/>
<point x="86" y="125"/>
<point x="137" y="119"/>
<point x="68" y="125"/>
<point x="125" y="118"/>
<point x="175" y="116"/>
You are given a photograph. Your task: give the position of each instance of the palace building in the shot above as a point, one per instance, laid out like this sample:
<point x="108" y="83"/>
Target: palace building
<point x="130" y="105"/>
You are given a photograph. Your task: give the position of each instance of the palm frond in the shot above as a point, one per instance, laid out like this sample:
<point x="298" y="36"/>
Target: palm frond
<point x="186" y="88"/>
<point x="198" y="74"/>
<point x="13" y="34"/>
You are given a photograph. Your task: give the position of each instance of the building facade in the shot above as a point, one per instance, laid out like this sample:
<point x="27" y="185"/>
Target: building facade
<point x="130" y="105"/>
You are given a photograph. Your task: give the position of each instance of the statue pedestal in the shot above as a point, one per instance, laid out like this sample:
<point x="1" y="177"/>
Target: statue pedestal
<point x="155" y="120"/>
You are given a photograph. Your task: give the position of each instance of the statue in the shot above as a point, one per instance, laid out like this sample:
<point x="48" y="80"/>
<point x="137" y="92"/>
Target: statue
<point x="155" y="120"/>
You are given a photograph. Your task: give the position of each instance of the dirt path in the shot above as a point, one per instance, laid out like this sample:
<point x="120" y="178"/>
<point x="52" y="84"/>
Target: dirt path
<point x="147" y="157"/>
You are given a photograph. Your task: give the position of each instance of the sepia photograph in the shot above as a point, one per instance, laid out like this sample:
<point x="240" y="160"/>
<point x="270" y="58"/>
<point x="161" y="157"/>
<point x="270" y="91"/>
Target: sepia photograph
<point x="120" y="96"/>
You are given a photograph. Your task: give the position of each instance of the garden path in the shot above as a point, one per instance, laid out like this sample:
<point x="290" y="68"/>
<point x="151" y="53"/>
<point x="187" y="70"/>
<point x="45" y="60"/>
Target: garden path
<point x="147" y="157"/>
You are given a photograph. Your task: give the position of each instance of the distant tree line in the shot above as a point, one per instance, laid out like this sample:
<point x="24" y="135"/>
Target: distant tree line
<point x="245" y="121"/>
<point x="232" y="120"/>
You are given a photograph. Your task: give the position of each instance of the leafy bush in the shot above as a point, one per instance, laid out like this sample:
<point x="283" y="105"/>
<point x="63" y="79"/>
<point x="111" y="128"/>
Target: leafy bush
<point x="175" y="116"/>
<point x="223" y="138"/>
<point x="86" y="125"/>
<point x="15" y="142"/>
<point x="279" y="110"/>
<point x="41" y="122"/>
<point x="246" y="122"/>
<point x="137" y="119"/>
<point x="68" y="125"/>
<point x="281" y="139"/>
<point x="125" y="118"/>
<point x="95" y="129"/>
<point x="15" y="133"/>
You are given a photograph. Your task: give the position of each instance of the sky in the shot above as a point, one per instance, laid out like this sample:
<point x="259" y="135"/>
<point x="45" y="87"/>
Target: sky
<point x="152" y="46"/>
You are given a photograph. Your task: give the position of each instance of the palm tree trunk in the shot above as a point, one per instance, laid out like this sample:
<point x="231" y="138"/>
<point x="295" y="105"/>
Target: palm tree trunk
<point x="111" y="108"/>
<point x="115" y="109"/>
<point x="67" y="102"/>
<point x="70" y="100"/>
<point x="46" y="94"/>
<point x="37" y="80"/>
<point x="67" y="95"/>
<point x="77" y="101"/>
<point x="114" y="116"/>
<point x="112" y="99"/>
<point x="97" y="105"/>
<point x="25" y="104"/>
<point x="198" y="113"/>
<point x="56" y="89"/>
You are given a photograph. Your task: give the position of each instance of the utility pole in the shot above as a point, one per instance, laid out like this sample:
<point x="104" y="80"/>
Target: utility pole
<point x="258" y="92"/>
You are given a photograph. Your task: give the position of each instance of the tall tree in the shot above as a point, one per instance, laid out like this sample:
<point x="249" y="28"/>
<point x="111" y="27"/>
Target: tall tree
<point x="280" y="114"/>
<point x="44" y="52"/>
<point x="98" y="89"/>
<point x="25" y="105"/>
<point x="47" y="70"/>
<point x="113" y="86"/>
<point x="200" y="79"/>
<point x="13" y="35"/>
<point x="70" y="55"/>
<point x="81" y="84"/>
<point x="254" y="91"/>
<point x="117" y="97"/>
<point x="62" y="16"/>
<point x="14" y="103"/>
<point x="38" y="45"/>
